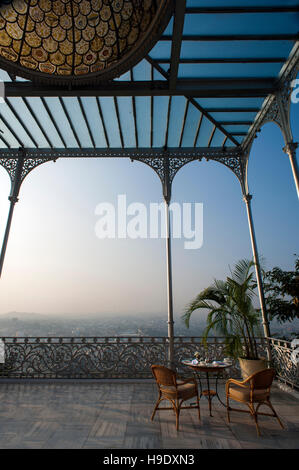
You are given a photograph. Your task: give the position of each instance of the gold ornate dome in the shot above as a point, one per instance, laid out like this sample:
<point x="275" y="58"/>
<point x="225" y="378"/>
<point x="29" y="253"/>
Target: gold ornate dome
<point x="78" y="41"/>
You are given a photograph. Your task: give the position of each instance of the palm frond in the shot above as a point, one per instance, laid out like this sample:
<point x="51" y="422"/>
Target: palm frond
<point x="242" y="270"/>
<point x="230" y="310"/>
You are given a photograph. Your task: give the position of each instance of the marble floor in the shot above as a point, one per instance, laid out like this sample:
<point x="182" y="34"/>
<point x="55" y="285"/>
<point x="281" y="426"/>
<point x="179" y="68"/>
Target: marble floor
<point x="116" y="414"/>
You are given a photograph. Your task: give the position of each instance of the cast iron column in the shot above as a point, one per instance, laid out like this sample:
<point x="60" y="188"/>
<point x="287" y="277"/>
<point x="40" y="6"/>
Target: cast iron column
<point x="167" y="198"/>
<point x="13" y="198"/>
<point x="285" y="125"/>
<point x="290" y="150"/>
<point x="247" y="199"/>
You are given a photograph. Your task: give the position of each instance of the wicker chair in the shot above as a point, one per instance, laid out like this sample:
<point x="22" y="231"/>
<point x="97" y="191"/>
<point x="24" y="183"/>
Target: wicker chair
<point x="254" y="390"/>
<point x="174" y="390"/>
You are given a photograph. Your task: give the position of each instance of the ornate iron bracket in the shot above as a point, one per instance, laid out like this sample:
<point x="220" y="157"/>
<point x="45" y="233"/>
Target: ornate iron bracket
<point x="276" y="107"/>
<point x="10" y="164"/>
<point x="167" y="166"/>
<point x="18" y="168"/>
<point x="279" y="110"/>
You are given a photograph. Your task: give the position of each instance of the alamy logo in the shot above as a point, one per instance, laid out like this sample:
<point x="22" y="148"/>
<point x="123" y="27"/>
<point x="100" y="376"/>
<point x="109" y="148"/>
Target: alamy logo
<point x="136" y="220"/>
<point x="2" y="92"/>
<point x="295" y="352"/>
<point x="2" y="352"/>
<point x="295" y="92"/>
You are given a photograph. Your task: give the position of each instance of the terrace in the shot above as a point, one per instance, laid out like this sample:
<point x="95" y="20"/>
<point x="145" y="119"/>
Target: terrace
<point x="116" y="414"/>
<point x="97" y="393"/>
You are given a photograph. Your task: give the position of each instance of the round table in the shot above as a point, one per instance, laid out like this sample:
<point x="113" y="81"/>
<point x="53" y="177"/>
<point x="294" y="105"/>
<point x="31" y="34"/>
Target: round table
<point x="207" y="369"/>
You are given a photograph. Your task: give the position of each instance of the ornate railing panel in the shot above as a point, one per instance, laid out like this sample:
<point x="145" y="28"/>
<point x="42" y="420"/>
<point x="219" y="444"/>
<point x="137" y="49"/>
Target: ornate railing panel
<point x="107" y="357"/>
<point x="78" y="357"/>
<point x="287" y="370"/>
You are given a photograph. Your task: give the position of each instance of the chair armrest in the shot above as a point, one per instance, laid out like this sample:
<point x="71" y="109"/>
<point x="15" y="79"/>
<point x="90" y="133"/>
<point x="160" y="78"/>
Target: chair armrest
<point x="186" y="381"/>
<point x="239" y="383"/>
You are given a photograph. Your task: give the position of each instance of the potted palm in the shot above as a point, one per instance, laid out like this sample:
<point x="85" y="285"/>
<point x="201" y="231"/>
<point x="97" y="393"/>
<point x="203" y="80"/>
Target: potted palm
<point x="231" y="314"/>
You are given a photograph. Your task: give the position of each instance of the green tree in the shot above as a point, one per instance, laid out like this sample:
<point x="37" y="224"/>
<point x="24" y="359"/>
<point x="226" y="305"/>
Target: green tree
<point x="230" y="311"/>
<point x="282" y="293"/>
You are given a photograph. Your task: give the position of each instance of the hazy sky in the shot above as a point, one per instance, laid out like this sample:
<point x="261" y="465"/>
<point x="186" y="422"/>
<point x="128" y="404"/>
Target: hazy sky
<point x="56" y="264"/>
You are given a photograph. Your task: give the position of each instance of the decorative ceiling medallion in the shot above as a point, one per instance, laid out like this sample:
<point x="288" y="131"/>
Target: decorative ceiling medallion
<point x="78" y="41"/>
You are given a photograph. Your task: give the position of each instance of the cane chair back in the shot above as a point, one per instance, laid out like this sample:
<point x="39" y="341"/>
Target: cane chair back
<point x="164" y="376"/>
<point x="174" y="390"/>
<point x="254" y="392"/>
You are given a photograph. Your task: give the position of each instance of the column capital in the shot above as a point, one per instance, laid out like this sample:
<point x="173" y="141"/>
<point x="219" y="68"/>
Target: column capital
<point x="13" y="199"/>
<point x="247" y="198"/>
<point x="290" y="148"/>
